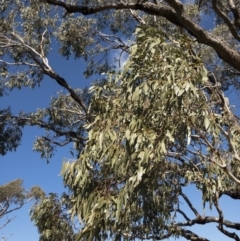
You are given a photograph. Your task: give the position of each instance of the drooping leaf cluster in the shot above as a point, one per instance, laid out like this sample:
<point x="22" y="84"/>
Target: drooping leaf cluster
<point x="158" y="125"/>
<point x="10" y="132"/>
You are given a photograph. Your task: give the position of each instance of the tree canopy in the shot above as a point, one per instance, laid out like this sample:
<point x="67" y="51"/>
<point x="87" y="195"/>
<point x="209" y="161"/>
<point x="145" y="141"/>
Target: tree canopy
<point x="144" y="131"/>
<point x="52" y="219"/>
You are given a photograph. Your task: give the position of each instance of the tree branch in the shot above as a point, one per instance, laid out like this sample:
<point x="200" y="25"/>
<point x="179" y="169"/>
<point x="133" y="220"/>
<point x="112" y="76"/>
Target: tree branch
<point x="189" y="203"/>
<point x="114" y="41"/>
<point x="226" y="20"/>
<point x="220" y="226"/>
<point x="91" y="10"/>
<point x="235" y="12"/>
<point x="220" y="213"/>
<point x="176" y="5"/>
<point x="42" y="62"/>
<point x="14" y="209"/>
<point x="189" y="235"/>
<point x="62" y="82"/>
<point x="40" y="123"/>
<point x="174" y="14"/>
<point x="63" y="143"/>
<point x="7" y="222"/>
<point x="202" y="220"/>
<point x="183" y="214"/>
<point x="229" y="234"/>
<point x="234" y="194"/>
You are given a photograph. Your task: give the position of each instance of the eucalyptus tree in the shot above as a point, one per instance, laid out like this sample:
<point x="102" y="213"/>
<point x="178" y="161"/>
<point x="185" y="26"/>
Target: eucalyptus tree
<point x="142" y="133"/>
<point x="13" y="196"/>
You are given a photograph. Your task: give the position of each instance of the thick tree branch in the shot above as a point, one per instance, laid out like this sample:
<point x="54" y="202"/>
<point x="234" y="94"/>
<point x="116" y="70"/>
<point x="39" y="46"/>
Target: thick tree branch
<point x="174" y="15"/>
<point x="226" y="20"/>
<point x="142" y="237"/>
<point x="234" y="194"/>
<point x="91" y="10"/>
<point x="232" y="225"/>
<point x="199" y="220"/>
<point x="176" y="5"/>
<point x="202" y="220"/>
<point x="229" y="234"/>
<point x="189" y="235"/>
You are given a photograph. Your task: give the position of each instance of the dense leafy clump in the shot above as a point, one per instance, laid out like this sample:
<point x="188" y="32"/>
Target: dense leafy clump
<point x="52" y="220"/>
<point x="158" y="125"/>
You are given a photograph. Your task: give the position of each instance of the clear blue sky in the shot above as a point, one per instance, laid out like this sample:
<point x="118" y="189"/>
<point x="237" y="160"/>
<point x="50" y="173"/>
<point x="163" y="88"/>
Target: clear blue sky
<point x="27" y="165"/>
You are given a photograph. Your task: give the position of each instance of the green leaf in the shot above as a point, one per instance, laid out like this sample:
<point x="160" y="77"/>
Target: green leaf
<point x="206" y="122"/>
<point x="101" y="140"/>
<point x="128" y="134"/>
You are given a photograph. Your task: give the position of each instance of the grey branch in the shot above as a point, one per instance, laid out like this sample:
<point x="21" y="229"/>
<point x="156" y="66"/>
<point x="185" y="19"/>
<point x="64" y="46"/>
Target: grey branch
<point x="189" y="235"/>
<point x="226" y="20"/>
<point x="174" y="14"/>
<point x="37" y="122"/>
<point x="189" y="203"/>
